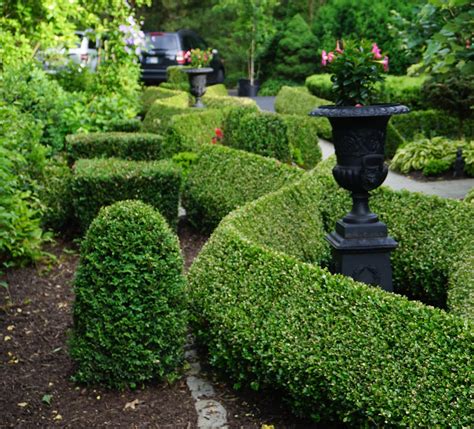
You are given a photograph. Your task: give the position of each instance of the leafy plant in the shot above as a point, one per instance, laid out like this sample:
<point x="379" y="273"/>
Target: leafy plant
<point x="198" y="58"/>
<point x="129" y="312"/>
<point x="417" y="154"/>
<point x="355" y="71"/>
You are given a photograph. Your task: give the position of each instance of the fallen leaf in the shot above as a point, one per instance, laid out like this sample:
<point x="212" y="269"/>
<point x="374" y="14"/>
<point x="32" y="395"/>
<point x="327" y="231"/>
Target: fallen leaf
<point x="7" y="338"/>
<point x="22" y="404"/>
<point x="131" y="404"/>
<point x="10" y="328"/>
<point x="58" y="417"/>
<point x="47" y="399"/>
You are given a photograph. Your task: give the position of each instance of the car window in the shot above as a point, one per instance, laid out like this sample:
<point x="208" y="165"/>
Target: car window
<point x="200" y="43"/>
<point x="92" y="44"/>
<point x="162" y="41"/>
<point x="188" y="42"/>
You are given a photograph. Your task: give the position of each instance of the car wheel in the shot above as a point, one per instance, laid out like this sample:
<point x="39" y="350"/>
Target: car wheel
<point x="220" y="76"/>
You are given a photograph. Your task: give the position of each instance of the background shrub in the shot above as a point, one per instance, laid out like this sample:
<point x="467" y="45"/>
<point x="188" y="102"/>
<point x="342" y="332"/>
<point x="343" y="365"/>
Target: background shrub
<point x="262" y="133"/>
<point x="100" y="182"/>
<point x="421" y="153"/>
<point x="320" y="85"/>
<point x="129" y="317"/>
<point x="407" y="90"/>
<point x="297" y="100"/>
<point x="161" y="111"/>
<point x="222" y="179"/>
<point x="175" y="75"/>
<point x="152" y="93"/>
<point x="130" y="125"/>
<point x="132" y="146"/>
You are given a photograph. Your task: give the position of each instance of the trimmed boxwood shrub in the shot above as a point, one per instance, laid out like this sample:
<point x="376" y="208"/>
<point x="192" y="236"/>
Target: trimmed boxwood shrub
<point x="152" y="93"/>
<point x="430" y="123"/>
<point x="461" y="285"/>
<point x="302" y="134"/>
<point x="129" y="314"/>
<point x="130" y="125"/>
<point x="161" y="111"/>
<point x="219" y="102"/>
<point x="175" y="75"/>
<point x="263" y="133"/>
<point x="218" y="90"/>
<point x="320" y="85"/>
<point x="297" y="101"/>
<point x="222" y="179"/>
<point x="338" y="349"/>
<point x="395" y="89"/>
<point x="190" y="130"/>
<point x="100" y="182"/>
<point x="132" y="146"/>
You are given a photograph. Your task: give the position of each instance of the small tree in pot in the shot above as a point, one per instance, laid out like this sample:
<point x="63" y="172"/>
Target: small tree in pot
<point x="252" y="26"/>
<point x="361" y="246"/>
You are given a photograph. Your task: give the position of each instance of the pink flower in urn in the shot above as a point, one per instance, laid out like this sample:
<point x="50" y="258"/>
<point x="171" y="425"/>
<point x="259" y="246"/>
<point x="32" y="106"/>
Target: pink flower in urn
<point x="338" y="48"/>
<point x="384" y="62"/>
<point x="324" y="58"/>
<point x="376" y="51"/>
<point x="330" y="57"/>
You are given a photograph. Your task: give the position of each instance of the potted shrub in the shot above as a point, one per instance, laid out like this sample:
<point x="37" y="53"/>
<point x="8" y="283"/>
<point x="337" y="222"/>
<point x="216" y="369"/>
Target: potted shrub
<point x="199" y="61"/>
<point x="253" y="24"/>
<point x="361" y="247"/>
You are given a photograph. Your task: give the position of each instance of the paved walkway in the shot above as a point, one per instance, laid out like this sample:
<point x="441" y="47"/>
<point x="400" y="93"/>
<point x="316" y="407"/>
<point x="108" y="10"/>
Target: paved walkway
<point x="443" y="188"/>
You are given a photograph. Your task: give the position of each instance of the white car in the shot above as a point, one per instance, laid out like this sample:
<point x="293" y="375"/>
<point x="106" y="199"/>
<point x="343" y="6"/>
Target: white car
<point x="84" y="53"/>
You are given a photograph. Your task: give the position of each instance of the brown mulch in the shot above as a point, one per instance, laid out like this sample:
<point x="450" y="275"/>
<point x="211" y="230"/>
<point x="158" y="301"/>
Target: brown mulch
<point x="448" y="175"/>
<point x="35" y="369"/>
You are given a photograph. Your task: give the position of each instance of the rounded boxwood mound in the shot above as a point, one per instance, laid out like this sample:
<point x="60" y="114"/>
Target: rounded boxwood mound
<point x="129" y="316"/>
<point x="272" y="316"/>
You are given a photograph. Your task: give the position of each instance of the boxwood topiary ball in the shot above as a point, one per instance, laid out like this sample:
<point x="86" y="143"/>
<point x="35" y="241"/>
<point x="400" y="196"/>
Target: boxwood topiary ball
<point x="129" y="312"/>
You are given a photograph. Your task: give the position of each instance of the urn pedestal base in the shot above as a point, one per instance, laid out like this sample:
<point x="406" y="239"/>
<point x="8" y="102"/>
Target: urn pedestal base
<point x="362" y="251"/>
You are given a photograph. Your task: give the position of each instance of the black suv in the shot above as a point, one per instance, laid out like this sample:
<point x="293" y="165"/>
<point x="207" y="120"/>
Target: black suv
<point x="168" y="49"/>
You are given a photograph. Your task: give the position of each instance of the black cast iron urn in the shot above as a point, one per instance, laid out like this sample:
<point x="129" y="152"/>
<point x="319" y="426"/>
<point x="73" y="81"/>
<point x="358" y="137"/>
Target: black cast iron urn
<point x="197" y="81"/>
<point x="360" y="243"/>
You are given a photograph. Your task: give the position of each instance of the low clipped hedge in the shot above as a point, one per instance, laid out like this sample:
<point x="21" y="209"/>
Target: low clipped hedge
<point x="188" y="131"/>
<point x="152" y="93"/>
<point x="430" y="123"/>
<point x="288" y="138"/>
<point x="162" y="110"/>
<point x="100" y="182"/>
<point x="129" y="314"/>
<point x="395" y="89"/>
<point x="461" y="285"/>
<point x="297" y="100"/>
<point x="218" y="90"/>
<point x="132" y="146"/>
<point x="222" y="179"/>
<point x="130" y="125"/>
<point x="219" y="102"/>
<point x="271" y="316"/>
<point x="176" y="76"/>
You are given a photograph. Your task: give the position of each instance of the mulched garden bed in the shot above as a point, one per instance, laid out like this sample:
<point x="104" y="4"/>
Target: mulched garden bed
<point x="35" y="386"/>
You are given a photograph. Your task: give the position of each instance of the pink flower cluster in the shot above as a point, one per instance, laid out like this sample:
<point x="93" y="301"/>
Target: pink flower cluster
<point x="328" y="57"/>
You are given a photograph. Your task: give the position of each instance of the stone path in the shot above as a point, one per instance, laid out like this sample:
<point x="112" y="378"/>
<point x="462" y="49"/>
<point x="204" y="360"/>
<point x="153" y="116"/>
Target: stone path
<point x="211" y="413"/>
<point x="444" y="188"/>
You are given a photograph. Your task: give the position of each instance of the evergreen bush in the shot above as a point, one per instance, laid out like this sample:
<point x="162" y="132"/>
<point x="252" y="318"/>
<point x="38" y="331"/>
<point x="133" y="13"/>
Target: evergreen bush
<point x="100" y="182"/>
<point x="129" y="312"/>
<point x="222" y="179"/>
<point x="131" y="146"/>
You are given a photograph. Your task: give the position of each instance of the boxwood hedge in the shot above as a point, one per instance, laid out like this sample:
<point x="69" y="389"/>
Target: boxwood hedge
<point x="288" y="138"/>
<point x="162" y="110"/>
<point x="100" y="182"/>
<point x="297" y="100"/>
<point x="222" y="179"/>
<point x="271" y="316"/>
<point x="152" y="93"/>
<point x="395" y="89"/>
<point x="129" y="313"/>
<point x="132" y="146"/>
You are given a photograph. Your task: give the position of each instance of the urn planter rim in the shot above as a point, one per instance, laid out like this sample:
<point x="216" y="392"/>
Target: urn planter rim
<point x="333" y="111"/>
<point x="198" y="70"/>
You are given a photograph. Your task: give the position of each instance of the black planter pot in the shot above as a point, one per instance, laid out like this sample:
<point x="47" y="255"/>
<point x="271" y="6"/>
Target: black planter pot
<point x="247" y="90"/>
<point x="197" y="81"/>
<point x="361" y="246"/>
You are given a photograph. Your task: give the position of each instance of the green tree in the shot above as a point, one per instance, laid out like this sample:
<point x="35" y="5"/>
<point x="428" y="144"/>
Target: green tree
<point x="296" y="54"/>
<point x="253" y="24"/>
